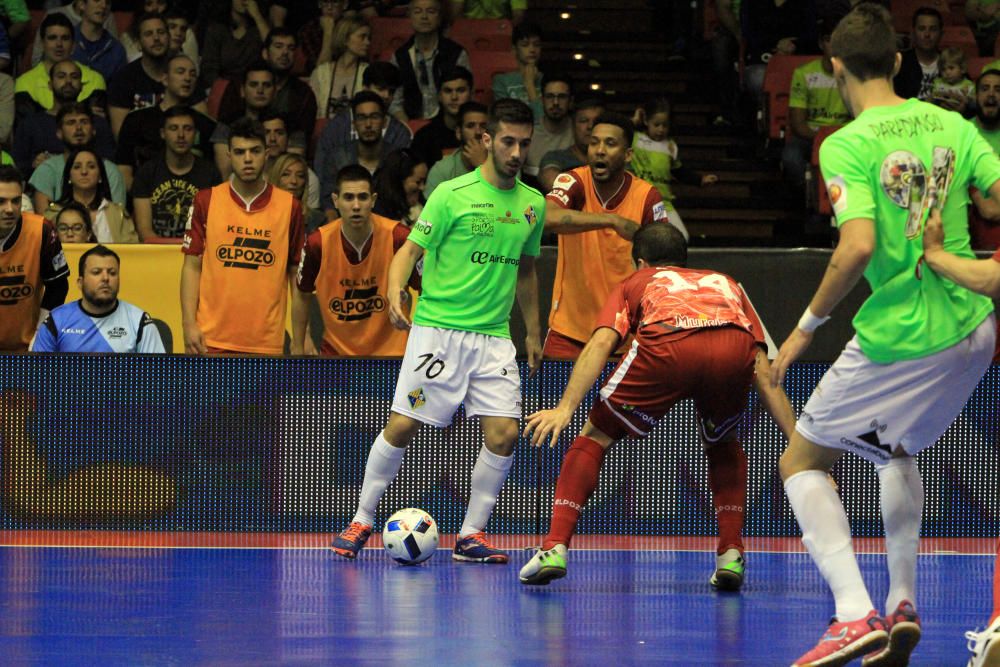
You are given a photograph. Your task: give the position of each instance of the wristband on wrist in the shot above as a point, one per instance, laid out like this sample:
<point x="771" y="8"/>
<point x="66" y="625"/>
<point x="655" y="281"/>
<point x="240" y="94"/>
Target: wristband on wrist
<point x="810" y="322"/>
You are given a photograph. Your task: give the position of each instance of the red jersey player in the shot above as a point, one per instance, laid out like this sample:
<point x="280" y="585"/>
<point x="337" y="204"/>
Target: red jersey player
<point x="695" y="336"/>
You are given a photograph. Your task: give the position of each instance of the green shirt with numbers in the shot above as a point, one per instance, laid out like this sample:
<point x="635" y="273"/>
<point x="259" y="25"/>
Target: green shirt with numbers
<point x="474" y="235"/>
<point x="887" y="166"/>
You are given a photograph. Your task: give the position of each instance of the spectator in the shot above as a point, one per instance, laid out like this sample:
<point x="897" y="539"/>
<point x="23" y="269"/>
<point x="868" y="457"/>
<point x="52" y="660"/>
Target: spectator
<point x="952" y="89"/>
<point x="37" y="137"/>
<point x="553" y="127"/>
<point x="590" y="260"/>
<point x="440" y="136"/>
<point x="182" y="38"/>
<point x="345" y="263"/>
<point x="725" y="45"/>
<point x="33" y="90"/>
<point x="422" y="60"/>
<point x="381" y="78"/>
<point x="919" y="67"/>
<point x="30" y="249"/>
<point x="524" y="83"/>
<point x="290" y="172"/>
<point x="165" y="186"/>
<point x="655" y="157"/>
<point x="76" y="130"/>
<point x="17" y="18"/>
<point x="140" y="83"/>
<point x="472" y="117"/>
<point x="234" y="297"/>
<point x="369" y="112"/>
<point x="232" y="40"/>
<point x="72" y="224"/>
<point x="98" y="321"/>
<point x="293" y="98"/>
<point x="774" y="27"/>
<point x="276" y="139"/>
<point x="95" y="47"/>
<point x="556" y="162"/>
<point x="814" y="102"/>
<point x="73" y="19"/>
<point x="983" y="15"/>
<point x="490" y="9"/>
<point x="85" y="180"/>
<point x="985" y="233"/>
<point x="316" y="36"/>
<point x="399" y="184"/>
<point x="257" y="91"/>
<point x="334" y="83"/>
<point x="141" y="136"/>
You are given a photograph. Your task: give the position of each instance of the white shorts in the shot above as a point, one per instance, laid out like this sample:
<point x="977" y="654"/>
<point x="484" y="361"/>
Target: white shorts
<point x="443" y="368"/>
<point x="867" y="408"/>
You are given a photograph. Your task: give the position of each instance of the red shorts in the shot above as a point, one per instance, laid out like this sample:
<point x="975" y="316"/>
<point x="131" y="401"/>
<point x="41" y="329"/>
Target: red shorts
<point x="712" y="366"/>
<point x="558" y="346"/>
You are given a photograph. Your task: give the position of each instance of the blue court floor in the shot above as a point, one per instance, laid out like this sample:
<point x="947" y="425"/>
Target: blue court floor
<point x="303" y="606"/>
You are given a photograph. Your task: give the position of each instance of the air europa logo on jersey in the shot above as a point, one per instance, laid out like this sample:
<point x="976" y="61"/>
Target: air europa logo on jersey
<point x="480" y="257"/>
<point x="14" y="289"/>
<point x="246" y="253"/>
<point x="357" y="304"/>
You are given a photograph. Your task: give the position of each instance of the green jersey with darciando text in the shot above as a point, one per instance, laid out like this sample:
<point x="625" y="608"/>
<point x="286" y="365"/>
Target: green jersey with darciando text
<point x="474" y="235"/>
<point x="889" y="165"/>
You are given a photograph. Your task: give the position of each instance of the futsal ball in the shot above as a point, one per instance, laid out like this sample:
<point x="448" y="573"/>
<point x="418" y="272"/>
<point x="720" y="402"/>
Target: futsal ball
<point x="410" y="536"/>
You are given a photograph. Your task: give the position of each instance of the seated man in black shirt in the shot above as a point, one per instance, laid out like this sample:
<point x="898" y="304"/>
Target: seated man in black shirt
<point x="165" y="186"/>
<point x="438" y="138"/>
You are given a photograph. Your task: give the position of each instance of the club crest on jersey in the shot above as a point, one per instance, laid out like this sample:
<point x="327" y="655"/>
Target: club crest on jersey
<point x="530" y="215"/>
<point x="836" y="188"/>
<point x="417" y="398"/>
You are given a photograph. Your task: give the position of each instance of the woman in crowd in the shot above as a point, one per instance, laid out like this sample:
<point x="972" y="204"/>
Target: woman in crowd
<point x="334" y="83"/>
<point x="232" y="40"/>
<point x="73" y="224"/>
<point x="290" y="173"/>
<point x="86" y="182"/>
<point x="399" y="184"/>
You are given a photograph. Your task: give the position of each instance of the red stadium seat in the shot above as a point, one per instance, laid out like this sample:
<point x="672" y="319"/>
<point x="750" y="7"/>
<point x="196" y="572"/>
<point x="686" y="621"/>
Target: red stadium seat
<point x="37" y="15"/>
<point x="903" y="10"/>
<point x="710" y="20"/>
<point x="962" y="37"/>
<point x="486" y="65"/>
<point x="482" y="34"/>
<point x="123" y="21"/>
<point x="214" y="100"/>
<point x="777" y="84"/>
<point x="388" y="34"/>
<point x="823" y="198"/>
<point x="976" y="66"/>
<point x="416" y="123"/>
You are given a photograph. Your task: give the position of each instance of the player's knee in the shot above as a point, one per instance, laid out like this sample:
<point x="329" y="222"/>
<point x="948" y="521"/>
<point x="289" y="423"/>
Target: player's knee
<point x="501" y="437"/>
<point x="400" y="430"/>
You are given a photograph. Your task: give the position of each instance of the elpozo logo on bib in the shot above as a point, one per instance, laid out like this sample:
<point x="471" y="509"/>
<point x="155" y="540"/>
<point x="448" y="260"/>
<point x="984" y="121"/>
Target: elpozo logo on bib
<point x="836" y="188"/>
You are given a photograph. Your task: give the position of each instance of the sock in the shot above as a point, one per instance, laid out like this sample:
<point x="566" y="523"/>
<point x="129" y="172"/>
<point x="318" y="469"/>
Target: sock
<point x="827" y="536"/>
<point x="577" y="480"/>
<point x="383" y="464"/>
<point x="727" y="477"/>
<point x="488" y="475"/>
<point x="996" y="587"/>
<point x="902" y="498"/>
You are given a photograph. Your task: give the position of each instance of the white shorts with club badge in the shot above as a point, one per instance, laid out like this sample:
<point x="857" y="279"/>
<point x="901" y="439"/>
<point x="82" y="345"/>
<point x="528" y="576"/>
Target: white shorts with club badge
<point x="444" y="368"/>
<point x="870" y="409"/>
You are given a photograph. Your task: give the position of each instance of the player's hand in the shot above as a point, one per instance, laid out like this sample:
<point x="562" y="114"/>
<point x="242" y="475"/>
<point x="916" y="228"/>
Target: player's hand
<point x="793" y="347"/>
<point x="709" y="179"/>
<point x="534" y="348"/>
<point x="933" y="235"/>
<point x="474" y="152"/>
<point x="624" y="227"/>
<point x="545" y="423"/>
<point x="194" y="339"/>
<point x="397" y="315"/>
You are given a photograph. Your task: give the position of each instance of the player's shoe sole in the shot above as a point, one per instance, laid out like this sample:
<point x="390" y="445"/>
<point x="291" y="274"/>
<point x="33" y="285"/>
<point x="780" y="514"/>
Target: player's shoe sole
<point x="544" y="567"/>
<point x="904" y="635"/>
<point x="847" y="641"/>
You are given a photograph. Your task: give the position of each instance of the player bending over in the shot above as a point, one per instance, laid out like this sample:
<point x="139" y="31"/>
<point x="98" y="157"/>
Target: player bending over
<point x="696" y="336"/>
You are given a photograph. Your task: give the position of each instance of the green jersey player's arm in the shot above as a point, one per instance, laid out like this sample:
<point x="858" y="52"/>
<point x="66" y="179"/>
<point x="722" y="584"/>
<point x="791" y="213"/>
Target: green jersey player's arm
<point x="400" y="270"/>
<point x="527" y="301"/>
<point x="570" y="221"/>
<point x="979" y="275"/>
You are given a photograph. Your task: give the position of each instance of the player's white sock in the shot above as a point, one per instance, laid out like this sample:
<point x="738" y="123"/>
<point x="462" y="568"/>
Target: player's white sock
<point x="827" y="536"/>
<point x="488" y="476"/>
<point x="902" y="493"/>
<point x="383" y="464"/>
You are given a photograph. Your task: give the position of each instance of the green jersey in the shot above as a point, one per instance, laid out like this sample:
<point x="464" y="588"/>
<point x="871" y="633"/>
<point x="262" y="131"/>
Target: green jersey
<point x="653" y="161"/>
<point x="815" y="90"/>
<point x="889" y="165"/>
<point x="474" y="236"/>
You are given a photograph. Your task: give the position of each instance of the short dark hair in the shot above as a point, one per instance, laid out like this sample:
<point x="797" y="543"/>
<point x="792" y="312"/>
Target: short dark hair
<point x="258" y="65"/>
<point x="510" y="111"/>
<point x="865" y="42"/>
<point x="556" y="76"/>
<point x="98" y="251"/>
<point x="659" y="243"/>
<point x="619" y="121"/>
<point x="525" y="30"/>
<point x="247" y="128"/>
<point x="146" y="16"/>
<point x="927" y="11"/>
<point x="103" y="184"/>
<point x="453" y="74"/>
<point x="364" y="96"/>
<point x="279" y="32"/>
<point x="177" y="111"/>
<point x="471" y="107"/>
<point x="81" y="210"/>
<point x="382" y="74"/>
<point x="10" y="174"/>
<point x="56" y="19"/>
<point x="353" y="172"/>
<point x="271" y="114"/>
<point x="590" y="101"/>
<point x="73" y="108"/>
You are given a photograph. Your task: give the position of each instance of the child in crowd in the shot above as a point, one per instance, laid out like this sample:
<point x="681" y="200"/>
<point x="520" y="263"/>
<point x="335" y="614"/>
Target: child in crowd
<point x="953" y="89"/>
<point x="524" y="83"/>
<point x="655" y="158"/>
